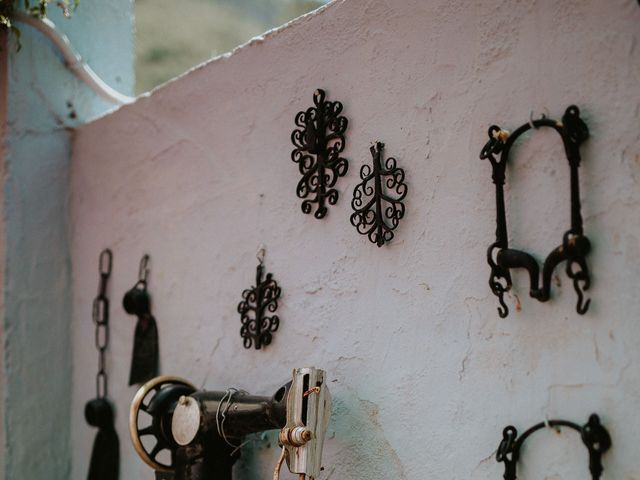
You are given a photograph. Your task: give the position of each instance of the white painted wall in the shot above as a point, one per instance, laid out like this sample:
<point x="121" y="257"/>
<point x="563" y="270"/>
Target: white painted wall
<point x="424" y="373"/>
<point x="44" y="101"/>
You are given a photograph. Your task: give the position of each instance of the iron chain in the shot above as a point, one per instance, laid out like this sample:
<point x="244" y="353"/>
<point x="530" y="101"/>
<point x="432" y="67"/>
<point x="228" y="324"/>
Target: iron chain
<point x="101" y="320"/>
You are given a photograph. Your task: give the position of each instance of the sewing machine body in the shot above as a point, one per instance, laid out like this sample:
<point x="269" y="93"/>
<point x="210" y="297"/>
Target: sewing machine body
<point x="203" y="430"/>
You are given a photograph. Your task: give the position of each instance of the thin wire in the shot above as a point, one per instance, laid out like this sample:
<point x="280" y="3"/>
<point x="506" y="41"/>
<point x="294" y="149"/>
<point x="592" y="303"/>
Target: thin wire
<point x="276" y="472"/>
<point x="220" y="424"/>
<point x="240" y="446"/>
<point x="228" y="395"/>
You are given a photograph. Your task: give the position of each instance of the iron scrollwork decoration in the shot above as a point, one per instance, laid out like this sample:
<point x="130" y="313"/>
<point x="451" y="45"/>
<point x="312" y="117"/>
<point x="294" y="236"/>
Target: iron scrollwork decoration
<point x="257" y="302"/>
<point x="319" y="141"/>
<point x="575" y="245"/>
<point x="594" y="436"/>
<point x="377" y="200"/>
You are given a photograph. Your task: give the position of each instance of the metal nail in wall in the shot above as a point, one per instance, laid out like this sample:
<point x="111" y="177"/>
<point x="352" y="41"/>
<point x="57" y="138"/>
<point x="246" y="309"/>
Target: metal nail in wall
<point x="377" y="200"/>
<point x="258" y="327"/>
<point x="319" y="140"/>
<point x="594" y="436"/>
<point x="575" y="245"/>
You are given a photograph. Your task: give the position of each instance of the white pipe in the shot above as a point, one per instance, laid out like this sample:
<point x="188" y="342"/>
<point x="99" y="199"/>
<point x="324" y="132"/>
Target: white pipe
<point x="73" y="60"/>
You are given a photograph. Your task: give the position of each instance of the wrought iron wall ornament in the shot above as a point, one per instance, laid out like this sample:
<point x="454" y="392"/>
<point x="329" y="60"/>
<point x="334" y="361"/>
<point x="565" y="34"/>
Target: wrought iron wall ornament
<point x="319" y="141"/>
<point x="575" y="245"/>
<point x="144" y="363"/>
<point x="105" y="455"/>
<point x="257" y="326"/>
<point x="377" y="200"/>
<point x="594" y="436"/>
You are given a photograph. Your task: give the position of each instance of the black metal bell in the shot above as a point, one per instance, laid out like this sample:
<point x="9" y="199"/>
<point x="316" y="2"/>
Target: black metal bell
<point x="99" y="413"/>
<point x="105" y="455"/>
<point x="137" y="301"/>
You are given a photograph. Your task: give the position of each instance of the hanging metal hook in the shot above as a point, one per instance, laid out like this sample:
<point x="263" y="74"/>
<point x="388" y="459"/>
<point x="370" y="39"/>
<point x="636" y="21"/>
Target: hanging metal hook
<point x="594" y="436"/>
<point x="548" y="425"/>
<point x="143" y="272"/>
<point x="575" y="245"/>
<point x="542" y="117"/>
<point x="582" y="306"/>
<point x="261" y="253"/>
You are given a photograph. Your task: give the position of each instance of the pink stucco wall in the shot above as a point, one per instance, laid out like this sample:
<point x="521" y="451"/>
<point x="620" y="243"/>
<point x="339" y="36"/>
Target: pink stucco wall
<point x="424" y="374"/>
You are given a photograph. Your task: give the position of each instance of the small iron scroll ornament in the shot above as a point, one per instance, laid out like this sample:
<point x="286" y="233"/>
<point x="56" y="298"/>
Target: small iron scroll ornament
<point x="319" y="141"/>
<point x="144" y="363"/>
<point x="595" y="437"/>
<point x="105" y="455"/>
<point x="575" y="245"/>
<point x="257" y="328"/>
<point x="377" y="201"/>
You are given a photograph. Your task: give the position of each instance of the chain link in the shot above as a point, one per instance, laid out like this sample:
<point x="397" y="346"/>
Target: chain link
<point x="101" y="320"/>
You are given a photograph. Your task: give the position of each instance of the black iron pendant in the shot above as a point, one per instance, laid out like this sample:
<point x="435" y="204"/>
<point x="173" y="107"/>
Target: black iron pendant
<point x="594" y="436"/>
<point x="319" y="141"/>
<point x="257" y="327"/>
<point x="575" y="245"/>
<point x="105" y="455"/>
<point x="377" y="201"/>
<point x="144" y="362"/>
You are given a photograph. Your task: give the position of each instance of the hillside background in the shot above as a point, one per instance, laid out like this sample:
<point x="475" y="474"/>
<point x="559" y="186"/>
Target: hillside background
<point x="171" y="37"/>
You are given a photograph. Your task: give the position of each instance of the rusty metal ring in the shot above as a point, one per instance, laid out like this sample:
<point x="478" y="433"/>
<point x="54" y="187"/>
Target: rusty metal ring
<point x="136" y="404"/>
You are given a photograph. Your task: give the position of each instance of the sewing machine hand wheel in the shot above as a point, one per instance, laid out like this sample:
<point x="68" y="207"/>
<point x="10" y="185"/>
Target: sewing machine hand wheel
<point x="153" y="399"/>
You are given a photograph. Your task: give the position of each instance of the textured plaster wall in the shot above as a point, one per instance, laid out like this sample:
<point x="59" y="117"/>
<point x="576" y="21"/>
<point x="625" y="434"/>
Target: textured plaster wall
<point x="44" y="101"/>
<point x="424" y="373"/>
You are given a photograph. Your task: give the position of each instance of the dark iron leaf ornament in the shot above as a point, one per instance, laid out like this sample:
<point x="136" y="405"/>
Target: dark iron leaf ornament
<point x="377" y="200"/>
<point x="257" y="326"/>
<point x="319" y="141"/>
<point x="594" y="436"/>
<point x="575" y="245"/>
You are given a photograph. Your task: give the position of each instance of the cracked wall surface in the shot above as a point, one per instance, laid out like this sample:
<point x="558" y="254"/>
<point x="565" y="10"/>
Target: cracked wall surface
<point x="423" y="372"/>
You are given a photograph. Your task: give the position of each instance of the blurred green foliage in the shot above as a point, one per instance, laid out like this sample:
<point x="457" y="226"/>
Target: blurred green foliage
<point x="174" y="36"/>
<point x="36" y="8"/>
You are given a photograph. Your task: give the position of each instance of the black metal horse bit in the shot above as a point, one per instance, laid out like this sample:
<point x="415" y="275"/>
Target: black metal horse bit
<point x="575" y="245"/>
<point x="594" y="436"/>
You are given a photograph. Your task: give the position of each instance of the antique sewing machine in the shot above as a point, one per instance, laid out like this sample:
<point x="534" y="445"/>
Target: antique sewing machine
<point x="186" y="434"/>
